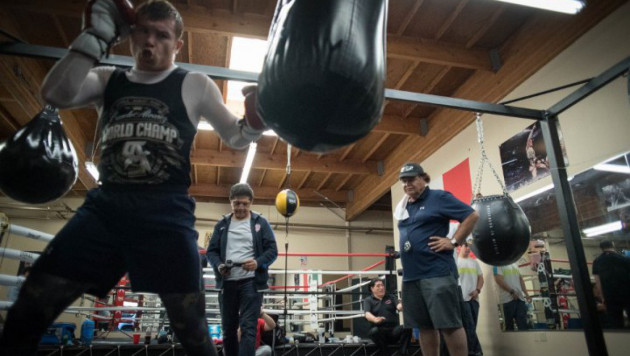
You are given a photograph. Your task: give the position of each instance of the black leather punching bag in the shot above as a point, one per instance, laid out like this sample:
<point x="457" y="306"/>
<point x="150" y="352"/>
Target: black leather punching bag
<point x="502" y="234"/>
<point x="322" y="82"/>
<point x="38" y="164"/>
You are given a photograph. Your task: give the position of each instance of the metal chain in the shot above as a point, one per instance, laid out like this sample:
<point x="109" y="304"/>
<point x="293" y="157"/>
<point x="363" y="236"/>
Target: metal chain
<point x="484" y="160"/>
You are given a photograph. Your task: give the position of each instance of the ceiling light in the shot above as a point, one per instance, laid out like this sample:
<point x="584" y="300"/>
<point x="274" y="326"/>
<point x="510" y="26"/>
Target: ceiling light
<point x="205" y="126"/>
<point x="602" y="229"/>
<point x="538" y="191"/>
<point x="564" y="6"/>
<point x="91" y="168"/>
<point x="248" y="162"/>
<point x="534" y="193"/>
<point x="608" y="167"/>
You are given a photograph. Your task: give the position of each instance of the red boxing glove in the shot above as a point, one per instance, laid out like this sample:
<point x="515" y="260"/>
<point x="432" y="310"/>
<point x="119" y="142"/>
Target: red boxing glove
<point x="252" y="118"/>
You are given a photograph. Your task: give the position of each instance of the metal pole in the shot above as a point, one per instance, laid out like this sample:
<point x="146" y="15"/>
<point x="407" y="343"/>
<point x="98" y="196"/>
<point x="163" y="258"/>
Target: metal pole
<point x="573" y="239"/>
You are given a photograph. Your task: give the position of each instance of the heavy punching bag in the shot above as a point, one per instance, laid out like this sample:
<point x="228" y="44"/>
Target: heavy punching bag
<point x="38" y="164"/>
<point x="322" y="82"/>
<point x="501" y="236"/>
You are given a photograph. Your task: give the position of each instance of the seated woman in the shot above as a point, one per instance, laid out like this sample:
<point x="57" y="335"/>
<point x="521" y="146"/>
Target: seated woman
<point x="381" y="311"/>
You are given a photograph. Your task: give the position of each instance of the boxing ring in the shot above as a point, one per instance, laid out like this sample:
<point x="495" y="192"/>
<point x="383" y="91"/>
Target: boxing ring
<point x="307" y="309"/>
<point x="550" y="129"/>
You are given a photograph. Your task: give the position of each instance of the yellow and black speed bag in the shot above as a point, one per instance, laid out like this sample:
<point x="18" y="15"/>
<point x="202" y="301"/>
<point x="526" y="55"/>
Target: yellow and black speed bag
<point x="287" y="203"/>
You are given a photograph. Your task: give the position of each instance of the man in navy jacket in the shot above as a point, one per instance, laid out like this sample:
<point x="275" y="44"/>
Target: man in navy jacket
<point x="241" y="249"/>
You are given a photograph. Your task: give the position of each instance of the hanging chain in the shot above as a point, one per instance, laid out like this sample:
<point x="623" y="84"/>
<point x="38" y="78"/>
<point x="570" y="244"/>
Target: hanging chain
<point x="484" y="159"/>
<point x="288" y="181"/>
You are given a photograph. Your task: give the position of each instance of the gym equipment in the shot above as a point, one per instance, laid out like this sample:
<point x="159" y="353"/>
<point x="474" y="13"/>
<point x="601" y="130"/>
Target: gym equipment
<point x="287" y="203"/>
<point x="38" y="164"/>
<point x="502" y="234"/>
<point x="322" y="82"/>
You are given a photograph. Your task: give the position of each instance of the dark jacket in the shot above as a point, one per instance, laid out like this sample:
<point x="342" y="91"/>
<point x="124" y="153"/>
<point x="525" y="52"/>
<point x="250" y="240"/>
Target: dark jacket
<point x="265" y="249"/>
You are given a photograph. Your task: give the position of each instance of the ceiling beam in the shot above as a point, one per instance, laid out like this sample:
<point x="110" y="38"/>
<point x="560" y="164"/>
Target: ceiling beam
<point x="306" y="163"/>
<point x="437" y="53"/>
<point x="268" y="193"/>
<point x="398" y="125"/>
<point x="541" y="39"/>
<point x="230" y="24"/>
<point x="8" y="120"/>
<point x="197" y="18"/>
<point x="410" y="15"/>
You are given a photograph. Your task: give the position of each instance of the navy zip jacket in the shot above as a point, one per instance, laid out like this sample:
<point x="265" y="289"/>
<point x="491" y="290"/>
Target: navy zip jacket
<point x="265" y="249"/>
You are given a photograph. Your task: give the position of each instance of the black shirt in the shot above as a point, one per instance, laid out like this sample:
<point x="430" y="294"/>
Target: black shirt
<point x="385" y="307"/>
<point x="613" y="270"/>
<point x="146" y="134"/>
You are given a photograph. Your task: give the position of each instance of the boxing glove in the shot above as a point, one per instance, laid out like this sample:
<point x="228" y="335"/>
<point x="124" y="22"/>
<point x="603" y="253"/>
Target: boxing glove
<point x="252" y="118"/>
<point x="104" y="23"/>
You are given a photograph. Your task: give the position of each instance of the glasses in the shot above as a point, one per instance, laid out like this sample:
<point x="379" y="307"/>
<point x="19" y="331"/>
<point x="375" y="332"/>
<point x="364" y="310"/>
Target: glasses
<point x="240" y="203"/>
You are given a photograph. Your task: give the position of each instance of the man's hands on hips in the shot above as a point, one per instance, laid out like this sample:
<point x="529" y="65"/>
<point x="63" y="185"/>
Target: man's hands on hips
<point x="439" y="243"/>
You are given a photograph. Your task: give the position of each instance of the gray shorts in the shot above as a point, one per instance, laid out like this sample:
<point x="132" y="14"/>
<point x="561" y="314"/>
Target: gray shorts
<point x="432" y="303"/>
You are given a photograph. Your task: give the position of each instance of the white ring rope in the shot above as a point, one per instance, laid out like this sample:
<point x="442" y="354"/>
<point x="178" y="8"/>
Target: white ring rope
<point x="29" y="257"/>
<point x="30" y="233"/>
<point x="8" y="280"/>
<point x="334" y="272"/>
<point x="152" y="312"/>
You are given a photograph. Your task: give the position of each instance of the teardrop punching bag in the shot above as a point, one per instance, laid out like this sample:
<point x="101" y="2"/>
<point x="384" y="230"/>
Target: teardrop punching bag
<point x="501" y="235"/>
<point x="38" y="164"/>
<point x="322" y="82"/>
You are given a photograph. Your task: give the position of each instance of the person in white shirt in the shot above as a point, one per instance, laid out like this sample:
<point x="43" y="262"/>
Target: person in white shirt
<point x="241" y="249"/>
<point x="471" y="282"/>
<point x="512" y="294"/>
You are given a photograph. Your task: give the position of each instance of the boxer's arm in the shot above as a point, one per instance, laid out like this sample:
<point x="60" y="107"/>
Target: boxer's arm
<point x="203" y="99"/>
<point x="73" y="82"/>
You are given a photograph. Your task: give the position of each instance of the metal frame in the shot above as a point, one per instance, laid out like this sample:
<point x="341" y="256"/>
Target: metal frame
<point x="549" y="124"/>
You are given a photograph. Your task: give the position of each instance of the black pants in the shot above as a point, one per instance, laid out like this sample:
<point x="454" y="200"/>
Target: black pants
<point x="614" y="312"/>
<point x="390" y="334"/>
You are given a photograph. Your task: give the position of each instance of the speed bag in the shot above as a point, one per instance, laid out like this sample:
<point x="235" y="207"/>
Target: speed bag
<point x="322" y="84"/>
<point x="38" y="163"/>
<point x="287" y="203"/>
<point x="502" y="233"/>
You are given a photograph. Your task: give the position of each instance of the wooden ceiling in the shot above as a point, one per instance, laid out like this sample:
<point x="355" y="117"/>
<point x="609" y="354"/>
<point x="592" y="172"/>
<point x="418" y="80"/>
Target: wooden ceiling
<point x="472" y="49"/>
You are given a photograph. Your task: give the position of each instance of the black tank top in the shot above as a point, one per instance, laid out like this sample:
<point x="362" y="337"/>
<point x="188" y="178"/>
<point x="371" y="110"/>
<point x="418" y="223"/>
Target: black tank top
<point x="146" y="134"/>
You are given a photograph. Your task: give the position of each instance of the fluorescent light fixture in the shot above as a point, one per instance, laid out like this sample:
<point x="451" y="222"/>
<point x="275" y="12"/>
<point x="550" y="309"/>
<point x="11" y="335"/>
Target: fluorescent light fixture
<point x="538" y="191"/>
<point x="608" y="167"/>
<point x="246" y="54"/>
<point x="248" y="162"/>
<point x="534" y="193"/>
<point x="91" y="168"/>
<point x="205" y="126"/>
<point x="564" y="6"/>
<point x="602" y="229"/>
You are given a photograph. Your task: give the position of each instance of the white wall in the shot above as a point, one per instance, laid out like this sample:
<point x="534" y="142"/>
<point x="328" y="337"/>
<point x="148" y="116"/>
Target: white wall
<point x="594" y="130"/>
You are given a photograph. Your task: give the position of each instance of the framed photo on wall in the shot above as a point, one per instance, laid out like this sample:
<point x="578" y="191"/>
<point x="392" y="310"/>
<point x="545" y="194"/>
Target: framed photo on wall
<point x="524" y="157"/>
